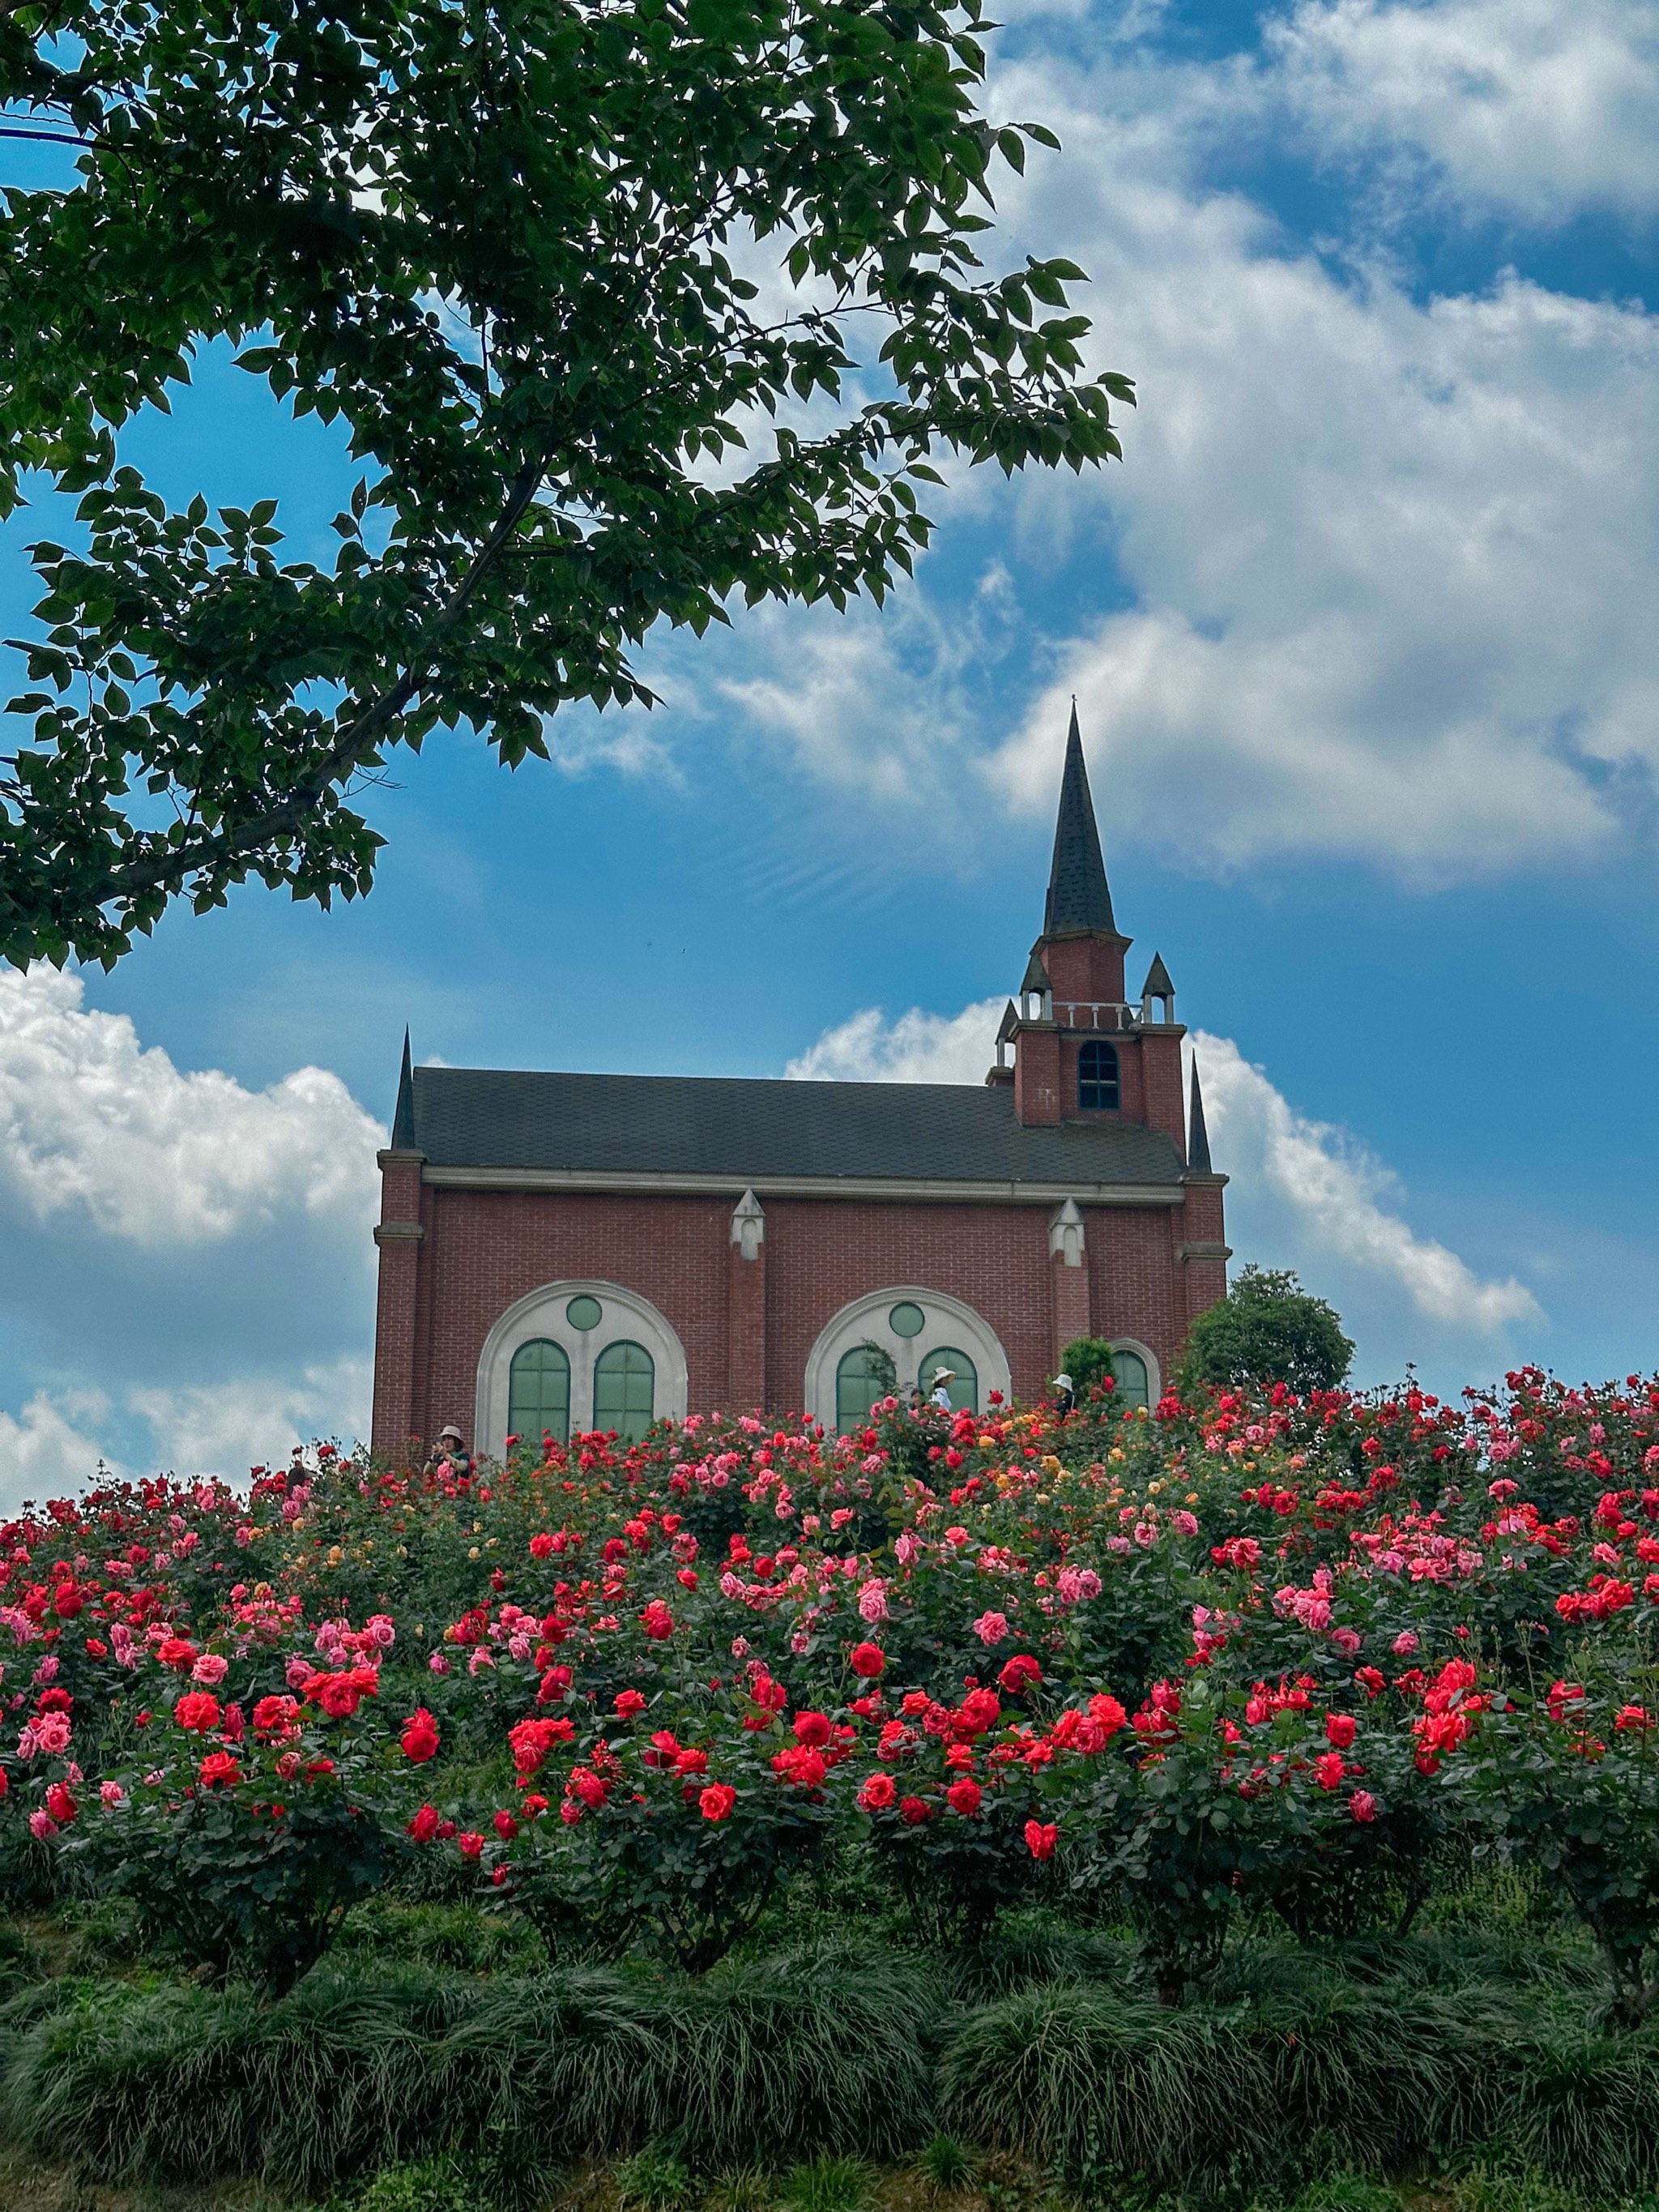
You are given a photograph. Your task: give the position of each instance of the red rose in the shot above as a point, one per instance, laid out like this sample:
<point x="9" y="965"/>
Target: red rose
<point x="424" y="1825"/>
<point x="812" y="1728"/>
<point x="198" y="1710"/>
<point x="715" y="1803"/>
<point x="656" y="1621"/>
<point x="1019" y="1673"/>
<point x="276" y="1716"/>
<point x="504" y="1827"/>
<point x="1339" y="1729"/>
<point x="540" y="1546"/>
<point x="67" y="1600"/>
<point x="96" y="1648"/>
<point x="588" y="1787"/>
<point x="61" y="1806"/>
<point x="868" y="1660"/>
<point x="176" y="1652"/>
<point x="1363" y="1805"/>
<point x="629" y="1702"/>
<point x="964" y="1797"/>
<point x="471" y="1845"/>
<point x="533" y="1806"/>
<point x="218" y="1766"/>
<point x="1328" y="1770"/>
<point x="913" y="1812"/>
<point x="879" y="1792"/>
<point x="1039" y="1841"/>
<point x="420" y="1736"/>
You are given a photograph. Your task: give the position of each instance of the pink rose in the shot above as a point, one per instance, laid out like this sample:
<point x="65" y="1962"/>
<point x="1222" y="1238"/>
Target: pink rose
<point x="209" y="1669"/>
<point x="991" y="1627"/>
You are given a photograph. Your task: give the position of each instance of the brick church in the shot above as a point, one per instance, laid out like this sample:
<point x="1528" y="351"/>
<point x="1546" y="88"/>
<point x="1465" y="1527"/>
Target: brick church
<point x="563" y="1252"/>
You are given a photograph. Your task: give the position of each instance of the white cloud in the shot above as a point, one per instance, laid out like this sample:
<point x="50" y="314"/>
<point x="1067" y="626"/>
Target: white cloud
<point x="916" y="1048"/>
<point x="1301" y="1183"/>
<point x="1335" y="1194"/>
<point x="1391" y="562"/>
<point x="92" y="1125"/>
<point x="226" y="1429"/>
<point x="46" y="1451"/>
<point x="1530" y="107"/>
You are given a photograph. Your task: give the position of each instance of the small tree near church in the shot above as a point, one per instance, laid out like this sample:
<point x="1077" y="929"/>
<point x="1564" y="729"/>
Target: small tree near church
<point x="1268" y="1329"/>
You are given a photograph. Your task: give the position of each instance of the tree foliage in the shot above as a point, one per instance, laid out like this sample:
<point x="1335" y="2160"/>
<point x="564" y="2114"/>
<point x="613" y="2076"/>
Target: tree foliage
<point x="1268" y="1329"/>
<point x="553" y="264"/>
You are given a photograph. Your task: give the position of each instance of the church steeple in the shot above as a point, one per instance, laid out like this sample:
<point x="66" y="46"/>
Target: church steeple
<point x="1078" y="896"/>
<point x="403" y="1120"/>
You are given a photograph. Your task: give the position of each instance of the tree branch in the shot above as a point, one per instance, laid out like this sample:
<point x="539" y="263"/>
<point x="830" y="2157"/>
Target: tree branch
<point x="354" y="742"/>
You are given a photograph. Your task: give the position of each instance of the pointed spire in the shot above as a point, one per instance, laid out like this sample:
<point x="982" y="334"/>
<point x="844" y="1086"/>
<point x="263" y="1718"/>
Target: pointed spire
<point x="1010" y="1024"/>
<point x="1157" y="984"/>
<point x="403" y="1120"/>
<point x="1077" y="895"/>
<point x="1198" y="1136"/>
<point x="1035" y="977"/>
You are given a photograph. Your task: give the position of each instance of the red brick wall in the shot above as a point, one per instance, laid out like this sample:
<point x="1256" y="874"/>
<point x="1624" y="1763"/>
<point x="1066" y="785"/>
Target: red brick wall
<point x="482" y="1250"/>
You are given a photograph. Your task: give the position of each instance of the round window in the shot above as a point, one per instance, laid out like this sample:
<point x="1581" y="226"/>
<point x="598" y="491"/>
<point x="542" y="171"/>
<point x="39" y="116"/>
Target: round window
<point x="584" y="1313"/>
<point x="907" y="1320"/>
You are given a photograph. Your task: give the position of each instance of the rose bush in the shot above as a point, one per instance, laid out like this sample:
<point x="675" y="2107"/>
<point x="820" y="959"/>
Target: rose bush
<point x="1250" y="1655"/>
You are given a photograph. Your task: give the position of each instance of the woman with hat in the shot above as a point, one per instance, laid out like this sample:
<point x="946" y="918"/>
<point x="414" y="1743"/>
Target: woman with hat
<point x="451" y="1447"/>
<point x="1065" y="1394"/>
<point x="940" y="1390"/>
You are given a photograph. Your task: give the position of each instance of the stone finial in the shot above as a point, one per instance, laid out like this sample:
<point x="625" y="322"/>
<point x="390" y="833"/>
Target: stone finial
<point x="749" y="1226"/>
<point x="1066" y="1241"/>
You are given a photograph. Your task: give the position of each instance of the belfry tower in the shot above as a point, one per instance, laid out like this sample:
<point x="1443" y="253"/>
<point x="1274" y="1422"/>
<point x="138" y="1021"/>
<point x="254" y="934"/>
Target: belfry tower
<point x="1076" y="1049"/>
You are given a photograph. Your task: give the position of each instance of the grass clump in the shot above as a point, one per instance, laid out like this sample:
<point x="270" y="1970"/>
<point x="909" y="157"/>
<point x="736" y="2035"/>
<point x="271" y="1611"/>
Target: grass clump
<point x="944" y="2165"/>
<point x="826" y="2184"/>
<point x="654" y="2180"/>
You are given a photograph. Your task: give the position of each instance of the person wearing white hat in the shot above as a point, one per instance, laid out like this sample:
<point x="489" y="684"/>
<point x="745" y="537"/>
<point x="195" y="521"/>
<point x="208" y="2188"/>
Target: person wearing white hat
<point x="451" y="1446"/>
<point x="1065" y="1394"/>
<point x="943" y="1378"/>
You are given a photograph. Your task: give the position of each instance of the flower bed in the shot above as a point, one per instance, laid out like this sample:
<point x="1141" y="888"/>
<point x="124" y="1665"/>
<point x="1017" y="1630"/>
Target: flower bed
<point x="1300" y="1659"/>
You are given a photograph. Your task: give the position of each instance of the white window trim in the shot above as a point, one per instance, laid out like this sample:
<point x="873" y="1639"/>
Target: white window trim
<point x="948" y="1322"/>
<point x="626" y="1316"/>
<point x="1143" y="1352"/>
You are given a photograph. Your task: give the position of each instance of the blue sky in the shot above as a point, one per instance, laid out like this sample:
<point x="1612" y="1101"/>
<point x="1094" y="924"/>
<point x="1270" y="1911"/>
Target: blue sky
<point x="1362" y="641"/>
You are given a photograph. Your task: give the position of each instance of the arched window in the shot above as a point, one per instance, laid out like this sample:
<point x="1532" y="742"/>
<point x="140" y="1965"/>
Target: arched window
<point x="1096" y="1074"/>
<point x="964" y="1376"/>
<point x="1129" y="1377"/>
<point x="538" y="1391"/>
<point x="862" y="1376"/>
<point x="624" y="1390"/>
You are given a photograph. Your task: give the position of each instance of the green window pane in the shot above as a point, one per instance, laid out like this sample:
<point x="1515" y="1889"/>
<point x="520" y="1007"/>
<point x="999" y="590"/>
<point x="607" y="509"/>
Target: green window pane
<point x="865" y="1374"/>
<point x="624" y="1390"/>
<point x="538" y="1391"/>
<point x="1097" y="1086"/>
<point x="907" y="1320"/>
<point x="1129" y="1379"/>
<point x="964" y="1385"/>
<point x="584" y="1313"/>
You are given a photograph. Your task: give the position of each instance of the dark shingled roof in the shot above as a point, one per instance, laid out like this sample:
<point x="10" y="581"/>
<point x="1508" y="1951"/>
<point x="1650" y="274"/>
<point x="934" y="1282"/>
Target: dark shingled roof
<point x="1077" y="895"/>
<point x="750" y="1129"/>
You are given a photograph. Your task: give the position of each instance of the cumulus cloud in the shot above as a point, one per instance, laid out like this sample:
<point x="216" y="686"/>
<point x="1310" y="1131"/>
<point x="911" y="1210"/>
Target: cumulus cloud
<point x="1305" y="1183"/>
<point x="1340" y="1196"/>
<point x="1391" y="559"/>
<point x="94" y="1127"/>
<point x="46" y="1451"/>
<point x="1527" y="106"/>
<point x="226" y="1429"/>
<point x="915" y="1047"/>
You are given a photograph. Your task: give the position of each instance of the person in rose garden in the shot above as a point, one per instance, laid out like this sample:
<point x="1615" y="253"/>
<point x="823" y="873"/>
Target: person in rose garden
<point x="451" y="1446"/>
